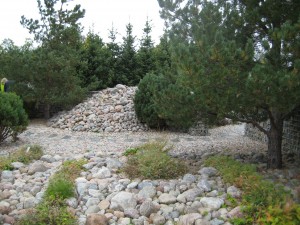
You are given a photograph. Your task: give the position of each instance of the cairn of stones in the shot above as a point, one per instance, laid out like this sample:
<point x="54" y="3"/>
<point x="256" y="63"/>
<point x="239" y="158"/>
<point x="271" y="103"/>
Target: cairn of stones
<point x="109" y="110"/>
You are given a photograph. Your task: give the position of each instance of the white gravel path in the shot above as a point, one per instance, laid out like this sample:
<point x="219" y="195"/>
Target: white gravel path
<point x="67" y="143"/>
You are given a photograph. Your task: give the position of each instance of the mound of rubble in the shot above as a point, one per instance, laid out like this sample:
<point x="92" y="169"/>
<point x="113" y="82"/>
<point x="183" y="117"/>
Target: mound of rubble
<point x="109" y="110"/>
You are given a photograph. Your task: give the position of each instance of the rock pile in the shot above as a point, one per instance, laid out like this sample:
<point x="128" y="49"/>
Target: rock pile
<point x="109" y="197"/>
<point x="110" y="110"/>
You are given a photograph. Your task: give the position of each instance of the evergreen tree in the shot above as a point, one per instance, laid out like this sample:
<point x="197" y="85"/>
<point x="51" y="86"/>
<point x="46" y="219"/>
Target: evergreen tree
<point x="238" y="59"/>
<point x="114" y="49"/>
<point x="94" y="67"/>
<point x="162" y="54"/>
<point x="53" y="79"/>
<point x="127" y="61"/>
<point x="145" y="54"/>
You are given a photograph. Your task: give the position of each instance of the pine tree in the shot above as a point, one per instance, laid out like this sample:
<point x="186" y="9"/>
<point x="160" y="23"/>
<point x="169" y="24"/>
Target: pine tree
<point x="53" y="79"/>
<point x="127" y="60"/>
<point x="238" y="59"/>
<point x="94" y="67"/>
<point x="114" y="56"/>
<point x="145" y="54"/>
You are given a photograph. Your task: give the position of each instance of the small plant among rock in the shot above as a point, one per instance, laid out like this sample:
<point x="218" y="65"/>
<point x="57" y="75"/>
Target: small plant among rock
<point x="25" y="155"/>
<point x="53" y="209"/>
<point x="151" y="161"/>
<point x="263" y="202"/>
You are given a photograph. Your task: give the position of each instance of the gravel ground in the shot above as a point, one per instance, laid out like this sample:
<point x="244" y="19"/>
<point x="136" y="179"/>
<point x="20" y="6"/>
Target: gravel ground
<point x="228" y="138"/>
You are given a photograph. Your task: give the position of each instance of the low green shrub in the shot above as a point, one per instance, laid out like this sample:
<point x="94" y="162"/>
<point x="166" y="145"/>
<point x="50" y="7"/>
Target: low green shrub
<point x="263" y="202"/>
<point x="59" y="188"/>
<point x="151" y="161"/>
<point x="25" y="154"/>
<point x="49" y="213"/>
<point x="14" y="119"/>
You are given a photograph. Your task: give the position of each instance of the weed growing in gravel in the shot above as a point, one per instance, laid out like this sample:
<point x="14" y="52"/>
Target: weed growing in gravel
<point x="262" y="201"/>
<point x="25" y="155"/>
<point x="53" y="209"/>
<point x="151" y="161"/>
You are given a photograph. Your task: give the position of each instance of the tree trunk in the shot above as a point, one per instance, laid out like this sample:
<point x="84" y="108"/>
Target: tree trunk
<point x="274" y="143"/>
<point x="47" y="111"/>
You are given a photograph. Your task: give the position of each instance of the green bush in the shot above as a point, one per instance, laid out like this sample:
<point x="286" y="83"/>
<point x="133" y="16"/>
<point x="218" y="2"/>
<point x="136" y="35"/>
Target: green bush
<point x="151" y="161"/>
<point x="49" y="213"/>
<point x="14" y="119"/>
<point x="60" y="188"/>
<point x="263" y="202"/>
<point x="144" y="101"/>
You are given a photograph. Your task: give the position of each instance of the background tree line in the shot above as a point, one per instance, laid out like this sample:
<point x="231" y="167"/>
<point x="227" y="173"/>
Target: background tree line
<point x="237" y="59"/>
<point x="61" y="65"/>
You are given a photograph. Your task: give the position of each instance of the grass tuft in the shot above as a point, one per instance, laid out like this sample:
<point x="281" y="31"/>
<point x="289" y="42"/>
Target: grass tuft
<point x="151" y="161"/>
<point x="24" y="155"/>
<point x="263" y="202"/>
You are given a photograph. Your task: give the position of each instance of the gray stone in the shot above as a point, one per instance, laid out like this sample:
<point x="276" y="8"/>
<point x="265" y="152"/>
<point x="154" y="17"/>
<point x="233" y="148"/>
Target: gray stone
<point x="189" y="178"/>
<point x="144" y="184"/>
<point x="102" y="173"/>
<point x="132" y="213"/>
<point x="216" y="221"/>
<point x="37" y="167"/>
<point x="92" y="201"/>
<point x="122" y="201"/>
<point x="72" y="202"/>
<point x="113" y="163"/>
<point x="147" y="208"/>
<point x="104" y="204"/>
<point x="236" y="213"/>
<point x="204" y="185"/>
<point x="209" y="171"/>
<point x="191" y="194"/>
<point x="4" y="207"/>
<point x="202" y="222"/>
<point x="7" y="175"/>
<point x="48" y="158"/>
<point x="189" y="219"/>
<point x="132" y="185"/>
<point x="211" y="202"/>
<point x="234" y="191"/>
<point x="158" y="219"/>
<point x="147" y="192"/>
<point x="17" y="165"/>
<point x="92" y="209"/>
<point x="96" y="219"/>
<point x="167" y="199"/>
<point x="29" y="203"/>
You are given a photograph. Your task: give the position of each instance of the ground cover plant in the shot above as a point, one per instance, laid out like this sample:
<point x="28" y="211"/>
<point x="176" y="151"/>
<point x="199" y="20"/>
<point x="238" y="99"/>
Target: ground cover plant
<point x="151" y="161"/>
<point x="263" y="202"/>
<point x="53" y="209"/>
<point x="25" y="154"/>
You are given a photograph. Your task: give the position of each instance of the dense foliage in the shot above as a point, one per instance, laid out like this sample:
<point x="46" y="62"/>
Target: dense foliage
<point x="236" y="59"/>
<point x="144" y="101"/>
<point x="52" y="80"/>
<point x="14" y="119"/>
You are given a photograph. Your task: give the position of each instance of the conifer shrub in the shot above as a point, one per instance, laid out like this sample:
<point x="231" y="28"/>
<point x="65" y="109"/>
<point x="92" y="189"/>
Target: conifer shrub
<point x="14" y="119"/>
<point x="151" y="161"/>
<point x="144" y="101"/>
